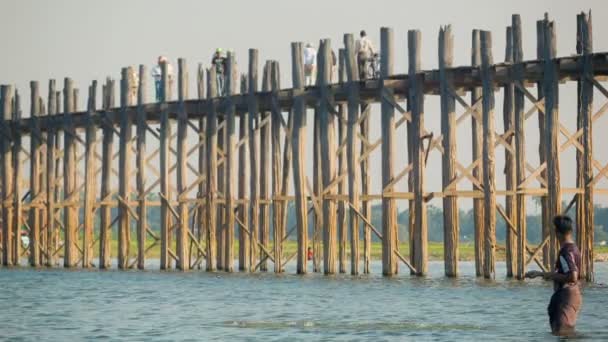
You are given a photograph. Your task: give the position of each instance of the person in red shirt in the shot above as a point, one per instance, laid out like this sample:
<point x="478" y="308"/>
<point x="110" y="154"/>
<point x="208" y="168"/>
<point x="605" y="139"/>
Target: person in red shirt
<point x="310" y="253"/>
<point x="566" y="300"/>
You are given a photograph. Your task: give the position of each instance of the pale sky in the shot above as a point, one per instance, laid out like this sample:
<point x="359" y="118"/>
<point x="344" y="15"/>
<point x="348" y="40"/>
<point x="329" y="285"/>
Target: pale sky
<point x="89" y="40"/>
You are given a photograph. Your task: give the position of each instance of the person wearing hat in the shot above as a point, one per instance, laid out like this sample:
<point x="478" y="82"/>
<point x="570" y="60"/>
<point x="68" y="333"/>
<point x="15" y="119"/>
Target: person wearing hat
<point x="310" y="64"/>
<point x="157" y="76"/>
<point x="219" y="63"/>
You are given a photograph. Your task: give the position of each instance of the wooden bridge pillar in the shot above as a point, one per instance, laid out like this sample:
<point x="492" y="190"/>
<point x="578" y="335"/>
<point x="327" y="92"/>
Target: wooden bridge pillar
<point x="183" y="257"/>
<point x="140" y="161"/>
<point x="90" y="183"/>
<point x="70" y="198"/>
<point x="510" y="164"/>
<point x="51" y="180"/>
<point x="230" y="167"/>
<point x="165" y="170"/>
<point x="6" y="99"/>
<point x="280" y="178"/>
<point x="212" y="186"/>
<point x="254" y="186"/>
<point x="124" y="170"/>
<point x="36" y="190"/>
<point x="107" y="157"/>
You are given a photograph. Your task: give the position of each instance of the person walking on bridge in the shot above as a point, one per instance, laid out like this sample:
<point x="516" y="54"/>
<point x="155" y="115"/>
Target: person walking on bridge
<point x="157" y="76"/>
<point x="365" y="52"/>
<point x="310" y="64"/>
<point x="566" y="301"/>
<point x="219" y="63"/>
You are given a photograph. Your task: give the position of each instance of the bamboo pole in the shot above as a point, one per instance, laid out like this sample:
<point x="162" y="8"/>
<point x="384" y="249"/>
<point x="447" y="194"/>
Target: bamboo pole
<point x="50" y="179"/>
<point x="389" y="214"/>
<point x="351" y="71"/>
<point x="510" y="164"/>
<point x="488" y="153"/>
<point x="142" y="203"/>
<point x="254" y="202"/>
<point x="265" y="172"/>
<point x="279" y="179"/>
<point x="298" y="135"/>
<point x="212" y="188"/>
<point x="230" y="171"/>
<point x="550" y="85"/>
<point x="449" y="158"/>
<point x="328" y="157"/>
<point x="90" y="183"/>
<point x="107" y="153"/>
<point x="520" y="149"/>
<point x="183" y="257"/>
<point x="124" y="171"/>
<point x="69" y="177"/>
<point x="342" y="118"/>
<point x="35" y="218"/>
<point x="478" y="205"/>
<point x="165" y="164"/>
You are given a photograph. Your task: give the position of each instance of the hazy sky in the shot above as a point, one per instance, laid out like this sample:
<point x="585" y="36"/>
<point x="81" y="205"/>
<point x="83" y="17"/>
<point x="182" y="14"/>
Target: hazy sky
<point x="89" y="40"/>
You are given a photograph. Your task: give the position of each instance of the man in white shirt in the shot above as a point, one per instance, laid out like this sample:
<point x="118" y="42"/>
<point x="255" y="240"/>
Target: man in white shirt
<point x="157" y="75"/>
<point x="365" y="51"/>
<point x="310" y="64"/>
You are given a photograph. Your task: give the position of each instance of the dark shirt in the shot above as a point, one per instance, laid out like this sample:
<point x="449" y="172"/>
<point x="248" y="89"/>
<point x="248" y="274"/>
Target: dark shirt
<point x="219" y="63"/>
<point x="568" y="260"/>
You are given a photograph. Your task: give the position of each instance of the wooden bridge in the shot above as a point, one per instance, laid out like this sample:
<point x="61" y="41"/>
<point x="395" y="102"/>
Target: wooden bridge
<point x="231" y="184"/>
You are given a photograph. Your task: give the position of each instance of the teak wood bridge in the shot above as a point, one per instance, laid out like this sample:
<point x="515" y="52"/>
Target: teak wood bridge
<point x="234" y="185"/>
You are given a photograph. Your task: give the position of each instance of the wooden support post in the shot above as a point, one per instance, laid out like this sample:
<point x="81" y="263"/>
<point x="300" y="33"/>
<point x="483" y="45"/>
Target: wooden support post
<point x="552" y="145"/>
<point x="221" y="181"/>
<point x="254" y="203"/>
<point x="265" y="172"/>
<point x="489" y="182"/>
<point x="328" y="158"/>
<point x="69" y="178"/>
<point x="366" y="205"/>
<point x="202" y="165"/>
<point x="165" y="164"/>
<point x="279" y="179"/>
<point x="476" y="133"/>
<point x="230" y="174"/>
<point x="50" y="179"/>
<point x="416" y="100"/>
<point x="584" y="160"/>
<point x="450" y="155"/>
<point x="351" y="69"/>
<point x="342" y="229"/>
<point x="35" y="218"/>
<point x="520" y="147"/>
<point x="124" y="170"/>
<point x="317" y="188"/>
<point x="183" y="257"/>
<point x="42" y="234"/>
<point x="6" y="101"/>
<point x="298" y="135"/>
<point x="212" y="189"/>
<point x="510" y="164"/>
<point x="17" y="194"/>
<point x="389" y="209"/>
<point x="142" y="203"/>
<point x="90" y="183"/>
<point x="107" y="153"/>
<point x="243" y="168"/>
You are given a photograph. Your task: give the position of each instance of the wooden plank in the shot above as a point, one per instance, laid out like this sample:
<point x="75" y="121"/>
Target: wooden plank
<point x="105" y="211"/>
<point x="389" y="209"/>
<point x="164" y="142"/>
<point x="90" y="182"/>
<point x="230" y="171"/>
<point x="69" y="177"/>
<point x="487" y="74"/>
<point x="328" y="158"/>
<point x="416" y="102"/>
<point x="265" y="171"/>
<point x="6" y="99"/>
<point x="298" y="135"/>
<point x="212" y="188"/>
<point x="448" y="130"/>
<point x="183" y="257"/>
<point x="125" y="150"/>
<point x="35" y="218"/>
<point x="550" y="85"/>
<point x="142" y="203"/>
<point x="476" y="134"/>
<point x="510" y="162"/>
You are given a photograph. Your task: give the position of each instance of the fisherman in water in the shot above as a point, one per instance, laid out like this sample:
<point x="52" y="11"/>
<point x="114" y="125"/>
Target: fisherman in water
<point x="566" y="301"/>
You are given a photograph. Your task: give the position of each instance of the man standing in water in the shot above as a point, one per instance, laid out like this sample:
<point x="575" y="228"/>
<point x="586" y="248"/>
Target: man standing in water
<point x="566" y="301"/>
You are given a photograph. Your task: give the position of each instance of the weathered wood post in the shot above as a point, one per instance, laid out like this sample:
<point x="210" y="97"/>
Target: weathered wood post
<point x="202" y="166"/>
<point x="298" y="135"/>
<point x="230" y="173"/>
<point x="212" y="189"/>
<point x="165" y="164"/>
<point x="142" y="203"/>
<point x="17" y="204"/>
<point x="50" y="178"/>
<point x="552" y="145"/>
<point x="36" y="167"/>
<point x="69" y="177"/>
<point x="489" y="182"/>
<point x="389" y="214"/>
<point x="107" y="157"/>
<point x="520" y="146"/>
<point x="352" y="151"/>
<point x="6" y="99"/>
<point x="317" y="184"/>
<point x="243" y="179"/>
<point x="280" y="179"/>
<point x="125" y="151"/>
<point x="584" y="159"/>
<point x="450" y="156"/>
<point x="510" y="163"/>
<point x="342" y="128"/>
<point x="254" y="201"/>
<point x="476" y="133"/>
<point x="328" y="158"/>
<point x="265" y="172"/>
<point x="90" y="182"/>
<point x="183" y="257"/>
<point x="366" y="204"/>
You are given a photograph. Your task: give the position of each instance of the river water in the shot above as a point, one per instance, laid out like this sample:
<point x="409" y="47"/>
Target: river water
<point x="60" y="305"/>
